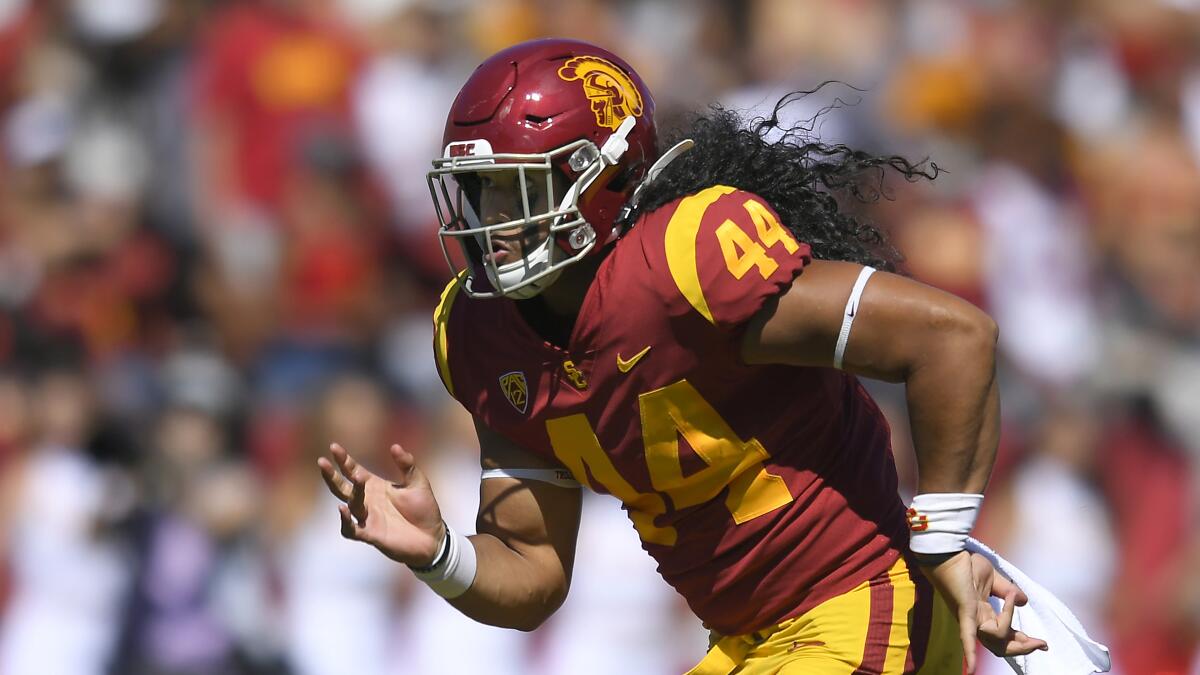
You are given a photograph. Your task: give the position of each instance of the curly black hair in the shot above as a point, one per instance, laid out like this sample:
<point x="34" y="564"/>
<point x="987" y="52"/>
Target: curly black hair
<point x="793" y="171"/>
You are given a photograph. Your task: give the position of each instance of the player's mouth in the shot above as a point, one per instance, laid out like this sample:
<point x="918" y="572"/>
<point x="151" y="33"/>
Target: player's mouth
<point x="503" y="252"/>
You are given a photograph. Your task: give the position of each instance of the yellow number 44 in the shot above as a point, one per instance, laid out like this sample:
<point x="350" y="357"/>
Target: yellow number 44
<point x="742" y="253"/>
<point x="668" y="414"/>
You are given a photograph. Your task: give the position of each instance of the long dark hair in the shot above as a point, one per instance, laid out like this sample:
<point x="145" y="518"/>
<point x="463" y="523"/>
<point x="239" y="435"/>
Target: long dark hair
<point x="793" y="171"/>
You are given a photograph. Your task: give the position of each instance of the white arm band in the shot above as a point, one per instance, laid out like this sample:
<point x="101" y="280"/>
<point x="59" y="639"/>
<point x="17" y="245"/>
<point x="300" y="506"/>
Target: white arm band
<point x="940" y="522"/>
<point x="455" y="569"/>
<point x="848" y="315"/>
<point x="559" y="477"/>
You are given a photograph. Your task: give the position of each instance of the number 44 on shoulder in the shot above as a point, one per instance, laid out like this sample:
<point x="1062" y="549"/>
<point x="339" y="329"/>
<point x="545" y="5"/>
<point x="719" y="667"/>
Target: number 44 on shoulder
<point x="742" y="252"/>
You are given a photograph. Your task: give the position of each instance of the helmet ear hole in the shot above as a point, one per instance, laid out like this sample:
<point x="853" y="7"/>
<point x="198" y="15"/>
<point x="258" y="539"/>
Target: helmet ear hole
<point x="620" y="182"/>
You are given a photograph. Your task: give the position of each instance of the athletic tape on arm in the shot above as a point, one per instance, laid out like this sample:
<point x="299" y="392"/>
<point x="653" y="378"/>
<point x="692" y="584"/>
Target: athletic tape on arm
<point x="559" y="477"/>
<point x="848" y="315"/>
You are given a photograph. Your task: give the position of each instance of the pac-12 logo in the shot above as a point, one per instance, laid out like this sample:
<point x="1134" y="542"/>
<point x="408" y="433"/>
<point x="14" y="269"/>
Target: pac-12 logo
<point x="515" y="390"/>
<point x="613" y="94"/>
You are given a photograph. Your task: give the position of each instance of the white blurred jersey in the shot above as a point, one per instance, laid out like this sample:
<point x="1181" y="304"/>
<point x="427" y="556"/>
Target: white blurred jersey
<point x="620" y="617"/>
<point x="68" y="581"/>
<point x="340" y="602"/>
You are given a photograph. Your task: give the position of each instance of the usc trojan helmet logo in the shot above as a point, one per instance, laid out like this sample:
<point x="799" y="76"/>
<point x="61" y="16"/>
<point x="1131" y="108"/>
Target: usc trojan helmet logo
<point x="515" y="390"/>
<point x="613" y="94"/>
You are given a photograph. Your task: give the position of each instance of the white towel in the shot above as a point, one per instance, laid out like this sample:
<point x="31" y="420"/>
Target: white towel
<point x="1071" y="651"/>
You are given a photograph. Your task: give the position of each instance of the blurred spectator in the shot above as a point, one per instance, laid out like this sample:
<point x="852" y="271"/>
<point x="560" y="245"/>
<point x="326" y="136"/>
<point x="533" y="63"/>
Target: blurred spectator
<point x="1143" y="193"/>
<point x="15" y="420"/>
<point x="1152" y="496"/>
<point x="338" y="598"/>
<point x="136" y="102"/>
<point x="1035" y="254"/>
<point x="397" y="138"/>
<point x="70" y="565"/>
<point x="199" y="503"/>
<point x="1051" y="521"/>
<point x="235" y="282"/>
<point x="20" y="23"/>
<point x="269" y="73"/>
<point x="617" y="598"/>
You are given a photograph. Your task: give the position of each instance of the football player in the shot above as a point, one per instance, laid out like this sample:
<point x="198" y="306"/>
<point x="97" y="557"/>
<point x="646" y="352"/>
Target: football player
<point x="684" y="330"/>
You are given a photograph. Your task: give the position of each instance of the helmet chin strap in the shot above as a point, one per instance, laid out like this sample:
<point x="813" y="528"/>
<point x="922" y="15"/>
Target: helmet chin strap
<point x="652" y="173"/>
<point x="535" y="288"/>
<point x="610" y="153"/>
<point x="512" y="282"/>
<point x="616" y="145"/>
<point x="667" y="157"/>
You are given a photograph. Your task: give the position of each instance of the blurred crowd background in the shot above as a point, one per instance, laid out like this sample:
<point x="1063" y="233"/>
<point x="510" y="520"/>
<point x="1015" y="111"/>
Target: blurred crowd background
<point x="217" y="255"/>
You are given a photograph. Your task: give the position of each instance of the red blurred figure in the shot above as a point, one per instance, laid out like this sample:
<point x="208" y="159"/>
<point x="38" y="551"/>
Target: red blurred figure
<point x="268" y="74"/>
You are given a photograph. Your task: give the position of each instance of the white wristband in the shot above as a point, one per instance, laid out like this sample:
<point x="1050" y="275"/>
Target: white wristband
<point x="940" y="522"/>
<point x="455" y="573"/>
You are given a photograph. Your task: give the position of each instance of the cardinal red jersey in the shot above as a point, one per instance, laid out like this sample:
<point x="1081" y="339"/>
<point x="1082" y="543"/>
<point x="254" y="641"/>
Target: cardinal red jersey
<point x="760" y="490"/>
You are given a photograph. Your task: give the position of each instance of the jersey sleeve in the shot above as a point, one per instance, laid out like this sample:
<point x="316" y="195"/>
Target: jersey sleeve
<point x="728" y="253"/>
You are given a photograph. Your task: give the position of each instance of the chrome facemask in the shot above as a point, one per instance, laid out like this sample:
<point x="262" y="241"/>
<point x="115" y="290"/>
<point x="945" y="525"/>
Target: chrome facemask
<point x="463" y="162"/>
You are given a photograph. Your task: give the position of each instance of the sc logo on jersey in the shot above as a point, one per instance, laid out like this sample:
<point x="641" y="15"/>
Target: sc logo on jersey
<point x="613" y="94"/>
<point x="515" y="390"/>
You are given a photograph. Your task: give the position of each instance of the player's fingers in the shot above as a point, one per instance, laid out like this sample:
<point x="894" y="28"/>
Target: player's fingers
<point x="1002" y="586"/>
<point x="344" y="461"/>
<point x="967" y="627"/>
<point x="1004" y="621"/>
<point x="338" y="485"/>
<point x="357" y="476"/>
<point x="403" y="461"/>
<point x="339" y="454"/>
<point x="358" y="499"/>
<point x="1023" y="644"/>
<point x="995" y="630"/>
<point x="350" y="528"/>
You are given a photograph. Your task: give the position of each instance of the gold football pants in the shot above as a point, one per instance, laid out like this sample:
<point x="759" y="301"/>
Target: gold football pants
<point x="894" y="624"/>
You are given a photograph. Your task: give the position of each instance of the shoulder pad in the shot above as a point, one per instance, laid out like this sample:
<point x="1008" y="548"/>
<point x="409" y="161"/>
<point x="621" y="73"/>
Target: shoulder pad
<point x="727" y="252"/>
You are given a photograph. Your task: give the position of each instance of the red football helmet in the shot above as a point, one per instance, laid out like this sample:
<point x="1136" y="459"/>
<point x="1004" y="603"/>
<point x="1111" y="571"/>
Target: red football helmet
<point x="552" y="113"/>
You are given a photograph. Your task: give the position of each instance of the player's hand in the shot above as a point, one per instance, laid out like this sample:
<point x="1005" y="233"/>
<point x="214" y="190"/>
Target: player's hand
<point x="401" y="518"/>
<point x="965" y="582"/>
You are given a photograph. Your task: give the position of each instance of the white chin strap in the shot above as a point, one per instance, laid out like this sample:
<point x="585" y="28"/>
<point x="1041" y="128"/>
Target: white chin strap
<point x="511" y="279"/>
<point x="667" y="157"/>
<point x="652" y="173"/>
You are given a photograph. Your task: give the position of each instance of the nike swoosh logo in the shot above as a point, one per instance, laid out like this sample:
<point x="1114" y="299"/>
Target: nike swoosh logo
<point x="624" y="366"/>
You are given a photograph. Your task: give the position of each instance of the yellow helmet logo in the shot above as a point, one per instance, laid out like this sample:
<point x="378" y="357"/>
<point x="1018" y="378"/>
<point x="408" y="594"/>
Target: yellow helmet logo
<point x="613" y="94"/>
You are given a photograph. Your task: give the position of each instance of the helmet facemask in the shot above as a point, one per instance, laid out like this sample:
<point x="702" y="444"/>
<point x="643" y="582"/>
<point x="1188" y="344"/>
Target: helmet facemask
<point x="456" y="185"/>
